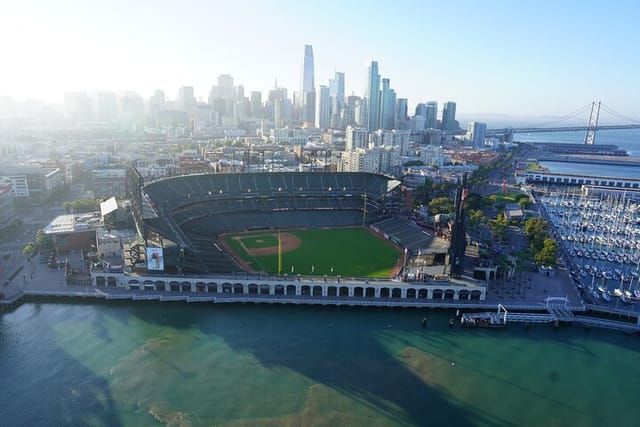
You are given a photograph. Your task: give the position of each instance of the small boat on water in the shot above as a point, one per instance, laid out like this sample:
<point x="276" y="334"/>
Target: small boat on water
<point x="605" y="296"/>
<point x="627" y="300"/>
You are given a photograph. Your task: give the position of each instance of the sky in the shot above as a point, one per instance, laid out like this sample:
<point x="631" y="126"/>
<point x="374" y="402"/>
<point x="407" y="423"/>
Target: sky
<point x="492" y="57"/>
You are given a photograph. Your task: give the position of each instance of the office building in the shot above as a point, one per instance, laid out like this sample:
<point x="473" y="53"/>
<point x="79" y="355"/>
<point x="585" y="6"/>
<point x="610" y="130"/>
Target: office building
<point x="307" y="86"/>
<point x="449" y="116"/>
<point x="387" y="106"/>
<point x="323" y="107"/>
<point x="186" y="100"/>
<point x="336" y="90"/>
<point x="256" y="104"/>
<point x="225" y="86"/>
<point x="372" y="97"/>
<point x="431" y="115"/>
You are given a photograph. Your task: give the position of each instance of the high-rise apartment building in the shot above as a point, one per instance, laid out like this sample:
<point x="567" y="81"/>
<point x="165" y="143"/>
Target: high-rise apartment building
<point x="372" y="97"/>
<point x="356" y="138"/>
<point x="475" y="134"/>
<point x="323" y="108"/>
<point x="449" y="116"/>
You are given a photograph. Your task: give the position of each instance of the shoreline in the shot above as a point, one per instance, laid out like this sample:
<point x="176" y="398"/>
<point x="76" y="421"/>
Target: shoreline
<point x="599" y="317"/>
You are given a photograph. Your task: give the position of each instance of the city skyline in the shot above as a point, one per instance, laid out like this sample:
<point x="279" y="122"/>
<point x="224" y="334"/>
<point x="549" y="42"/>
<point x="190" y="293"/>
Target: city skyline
<point x="485" y="57"/>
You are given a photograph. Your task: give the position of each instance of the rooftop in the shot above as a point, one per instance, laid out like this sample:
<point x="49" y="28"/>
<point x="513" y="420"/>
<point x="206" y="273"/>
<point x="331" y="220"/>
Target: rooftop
<point x="73" y="223"/>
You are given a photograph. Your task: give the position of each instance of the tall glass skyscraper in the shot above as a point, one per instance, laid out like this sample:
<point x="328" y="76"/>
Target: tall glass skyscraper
<point x="307" y="89"/>
<point x="431" y="112"/>
<point x="336" y="89"/>
<point x="387" y="106"/>
<point x="323" y="108"/>
<point x="372" y="95"/>
<point x="449" y="116"/>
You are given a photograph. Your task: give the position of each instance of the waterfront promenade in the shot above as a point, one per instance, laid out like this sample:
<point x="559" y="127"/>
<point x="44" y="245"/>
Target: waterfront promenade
<point x="526" y="292"/>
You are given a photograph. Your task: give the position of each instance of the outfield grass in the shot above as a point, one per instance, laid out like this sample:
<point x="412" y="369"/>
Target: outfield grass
<point x="341" y="251"/>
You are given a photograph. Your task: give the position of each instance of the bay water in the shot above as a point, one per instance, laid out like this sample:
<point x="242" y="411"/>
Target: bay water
<point x="178" y="364"/>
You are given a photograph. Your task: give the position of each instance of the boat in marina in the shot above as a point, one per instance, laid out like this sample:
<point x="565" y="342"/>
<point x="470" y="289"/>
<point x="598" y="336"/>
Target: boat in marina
<point x="605" y="296"/>
<point x="627" y="300"/>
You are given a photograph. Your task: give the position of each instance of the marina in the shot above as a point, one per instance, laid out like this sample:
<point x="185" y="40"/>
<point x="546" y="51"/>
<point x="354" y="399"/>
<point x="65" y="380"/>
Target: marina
<point x="599" y="237"/>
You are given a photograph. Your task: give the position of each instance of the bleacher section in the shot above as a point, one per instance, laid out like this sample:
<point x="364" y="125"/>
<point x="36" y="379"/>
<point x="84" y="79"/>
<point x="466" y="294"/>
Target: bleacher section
<point x="197" y="208"/>
<point x="411" y="236"/>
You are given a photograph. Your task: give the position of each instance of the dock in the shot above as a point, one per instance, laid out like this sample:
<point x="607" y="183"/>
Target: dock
<point x="558" y="312"/>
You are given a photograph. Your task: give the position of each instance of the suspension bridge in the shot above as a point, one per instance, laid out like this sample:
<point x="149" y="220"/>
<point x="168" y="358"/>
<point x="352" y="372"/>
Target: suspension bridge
<point x="592" y="126"/>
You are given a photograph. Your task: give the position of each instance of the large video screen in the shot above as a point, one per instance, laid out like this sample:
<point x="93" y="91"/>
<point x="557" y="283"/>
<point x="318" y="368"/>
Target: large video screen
<point x="155" y="259"/>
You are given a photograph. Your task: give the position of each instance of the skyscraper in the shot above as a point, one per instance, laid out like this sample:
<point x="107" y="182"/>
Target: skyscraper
<point x="336" y="90"/>
<point x="307" y="86"/>
<point x="107" y="106"/>
<point x="256" y="104"/>
<point x="372" y="97"/>
<point x="323" y="108"/>
<point x="387" y="106"/>
<point x="401" y="114"/>
<point x="475" y="134"/>
<point x="225" y="85"/>
<point x="78" y="106"/>
<point x="186" y="100"/>
<point x="431" y="115"/>
<point x="449" y="116"/>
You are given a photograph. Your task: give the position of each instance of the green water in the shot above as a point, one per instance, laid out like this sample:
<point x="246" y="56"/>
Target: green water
<point x="244" y="365"/>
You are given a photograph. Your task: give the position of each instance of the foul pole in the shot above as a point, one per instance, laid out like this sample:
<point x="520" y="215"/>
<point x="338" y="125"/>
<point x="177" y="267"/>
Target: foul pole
<point x="364" y="210"/>
<point x="279" y="254"/>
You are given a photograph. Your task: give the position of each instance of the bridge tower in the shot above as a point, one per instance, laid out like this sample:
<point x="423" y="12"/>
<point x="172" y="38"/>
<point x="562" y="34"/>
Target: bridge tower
<point x="590" y="137"/>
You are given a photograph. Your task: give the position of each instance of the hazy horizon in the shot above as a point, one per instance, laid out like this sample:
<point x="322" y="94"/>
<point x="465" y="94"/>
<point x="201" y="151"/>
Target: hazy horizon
<point x="494" y="57"/>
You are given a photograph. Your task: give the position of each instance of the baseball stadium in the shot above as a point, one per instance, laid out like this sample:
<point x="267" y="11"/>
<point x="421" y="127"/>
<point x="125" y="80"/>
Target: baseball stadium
<point x="302" y="234"/>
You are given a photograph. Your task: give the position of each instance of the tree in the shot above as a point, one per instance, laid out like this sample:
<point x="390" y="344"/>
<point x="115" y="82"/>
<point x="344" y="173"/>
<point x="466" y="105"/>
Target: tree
<point x="499" y="226"/>
<point x="548" y="254"/>
<point x="536" y="230"/>
<point x="42" y="239"/>
<point x="472" y="201"/>
<point x="82" y="205"/>
<point x="441" y="205"/>
<point x="525" y="203"/>
<point x="476" y="218"/>
<point x="413" y="163"/>
<point x="29" y="250"/>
